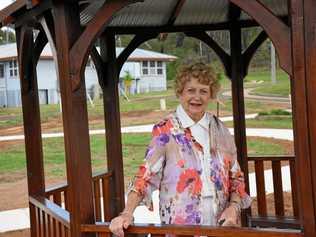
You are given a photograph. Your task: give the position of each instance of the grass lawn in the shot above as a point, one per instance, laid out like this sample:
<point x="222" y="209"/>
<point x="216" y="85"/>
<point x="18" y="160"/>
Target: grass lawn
<point x="280" y="88"/>
<point x="280" y="123"/>
<point x="12" y="157"/>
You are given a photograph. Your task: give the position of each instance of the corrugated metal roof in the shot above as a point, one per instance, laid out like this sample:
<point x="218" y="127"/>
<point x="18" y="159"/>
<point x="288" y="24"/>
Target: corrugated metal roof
<point x="153" y="13"/>
<point x="203" y="12"/>
<point x="8" y="51"/>
<point x="194" y="12"/>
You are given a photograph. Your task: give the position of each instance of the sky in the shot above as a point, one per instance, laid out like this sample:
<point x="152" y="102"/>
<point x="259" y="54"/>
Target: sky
<point x="4" y="3"/>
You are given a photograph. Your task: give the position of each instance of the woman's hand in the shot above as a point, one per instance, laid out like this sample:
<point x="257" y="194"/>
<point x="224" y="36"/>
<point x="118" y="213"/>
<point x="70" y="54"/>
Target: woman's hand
<point x="229" y="216"/>
<point x="121" y="222"/>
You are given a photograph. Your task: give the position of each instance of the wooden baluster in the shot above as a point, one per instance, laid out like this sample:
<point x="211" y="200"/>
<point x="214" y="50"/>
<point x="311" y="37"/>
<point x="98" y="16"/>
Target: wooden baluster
<point x="278" y="189"/>
<point x="60" y="230"/>
<point x="260" y="185"/>
<point x="33" y="218"/>
<point x="54" y="229"/>
<point x="97" y="199"/>
<point x="294" y="189"/>
<point x="49" y="225"/>
<point x="44" y="224"/>
<point x="40" y="226"/>
<point x="106" y="199"/>
<point x="57" y="198"/>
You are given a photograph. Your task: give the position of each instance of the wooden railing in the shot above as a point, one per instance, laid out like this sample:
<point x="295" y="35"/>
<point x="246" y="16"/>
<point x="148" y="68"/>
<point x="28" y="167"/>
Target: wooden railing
<point x="48" y="218"/>
<point x="279" y="220"/>
<point x="101" y="184"/>
<point x="102" y="229"/>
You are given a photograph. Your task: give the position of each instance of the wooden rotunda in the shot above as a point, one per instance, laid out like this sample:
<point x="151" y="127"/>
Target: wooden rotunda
<point x="72" y="27"/>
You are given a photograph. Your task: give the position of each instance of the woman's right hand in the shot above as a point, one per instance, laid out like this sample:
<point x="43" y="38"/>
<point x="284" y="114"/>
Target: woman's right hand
<point x="121" y="222"/>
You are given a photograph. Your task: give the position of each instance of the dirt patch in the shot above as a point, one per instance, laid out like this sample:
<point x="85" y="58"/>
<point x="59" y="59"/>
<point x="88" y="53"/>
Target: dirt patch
<point x="288" y="206"/>
<point x="18" y="233"/>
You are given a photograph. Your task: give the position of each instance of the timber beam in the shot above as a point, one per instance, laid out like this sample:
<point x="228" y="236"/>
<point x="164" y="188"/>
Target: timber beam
<point x="278" y="31"/>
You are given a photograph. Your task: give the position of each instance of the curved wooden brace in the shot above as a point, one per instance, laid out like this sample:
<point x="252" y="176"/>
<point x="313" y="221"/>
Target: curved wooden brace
<point x="251" y="50"/>
<point x="224" y="57"/>
<point x="135" y="42"/>
<point x="25" y="58"/>
<point x="80" y="50"/>
<point x="39" y="45"/>
<point x="99" y="66"/>
<point x="47" y="23"/>
<point x="278" y="32"/>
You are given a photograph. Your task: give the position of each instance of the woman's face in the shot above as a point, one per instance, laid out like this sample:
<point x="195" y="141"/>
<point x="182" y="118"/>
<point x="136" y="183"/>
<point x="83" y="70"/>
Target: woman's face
<point x="194" y="98"/>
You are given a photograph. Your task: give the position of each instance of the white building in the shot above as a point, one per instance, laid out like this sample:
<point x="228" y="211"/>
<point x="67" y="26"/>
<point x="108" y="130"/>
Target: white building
<point x="148" y="69"/>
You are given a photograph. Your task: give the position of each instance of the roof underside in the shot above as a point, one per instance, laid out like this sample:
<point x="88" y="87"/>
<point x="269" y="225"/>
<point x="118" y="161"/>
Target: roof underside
<point x="155" y="13"/>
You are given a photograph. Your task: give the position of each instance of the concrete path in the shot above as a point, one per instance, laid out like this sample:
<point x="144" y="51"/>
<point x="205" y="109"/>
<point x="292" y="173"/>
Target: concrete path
<point x="19" y="218"/>
<point x="248" y="95"/>
<point x="276" y="133"/>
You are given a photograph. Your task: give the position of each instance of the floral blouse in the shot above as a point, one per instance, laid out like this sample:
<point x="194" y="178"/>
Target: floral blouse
<point x="173" y="166"/>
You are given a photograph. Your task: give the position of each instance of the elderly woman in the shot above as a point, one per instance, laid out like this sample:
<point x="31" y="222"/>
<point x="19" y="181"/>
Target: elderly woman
<point x="191" y="160"/>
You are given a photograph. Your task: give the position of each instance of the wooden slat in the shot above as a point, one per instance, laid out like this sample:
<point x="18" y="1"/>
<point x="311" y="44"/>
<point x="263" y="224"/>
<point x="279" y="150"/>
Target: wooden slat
<point x="97" y="199"/>
<point x="294" y="189"/>
<point x="278" y="189"/>
<point x="106" y="199"/>
<point x="49" y="226"/>
<point x="40" y="222"/>
<point x="33" y="220"/>
<point x="260" y="185"/>
<point x="44" y="224"/>
<point x="54" y="229"/>
<point x="37" y="220"/>
<point x="194" y="230"/>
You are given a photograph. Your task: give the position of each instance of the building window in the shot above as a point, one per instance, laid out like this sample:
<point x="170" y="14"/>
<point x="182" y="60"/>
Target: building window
<point x="152" y="68"/>
<point x="13" y="68"/>
<point x="1" y="71"/>
<point x="159" y="68"/>
<point x="145" y="68"/>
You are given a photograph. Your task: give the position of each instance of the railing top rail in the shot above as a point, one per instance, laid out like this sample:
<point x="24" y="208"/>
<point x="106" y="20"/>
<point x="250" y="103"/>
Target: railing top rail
<point x="52" y="209"/>
<point x="100" y="227"/>
<point x="272" y="158"/>
<point x="63" y="186"/>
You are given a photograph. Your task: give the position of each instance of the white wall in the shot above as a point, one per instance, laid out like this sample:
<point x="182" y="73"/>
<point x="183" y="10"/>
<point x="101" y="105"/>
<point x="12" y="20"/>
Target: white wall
<point x="47" y="82"/>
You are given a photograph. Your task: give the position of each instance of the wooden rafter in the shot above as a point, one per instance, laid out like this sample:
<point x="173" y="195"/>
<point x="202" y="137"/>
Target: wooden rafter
<point x="175" y="12"/>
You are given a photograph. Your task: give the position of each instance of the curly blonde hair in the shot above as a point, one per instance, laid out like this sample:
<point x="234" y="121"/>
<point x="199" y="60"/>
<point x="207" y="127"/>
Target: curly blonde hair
<point x="202" y="72"/>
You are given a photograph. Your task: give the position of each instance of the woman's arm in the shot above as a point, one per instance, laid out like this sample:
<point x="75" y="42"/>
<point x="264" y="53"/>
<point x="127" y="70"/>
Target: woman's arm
<point x="126" y="217"/>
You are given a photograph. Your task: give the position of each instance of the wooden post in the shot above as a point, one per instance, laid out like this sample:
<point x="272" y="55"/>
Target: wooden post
<point x="303" y="106"/>
<point x="238" y="106"/>
<point x="112" y="123"/>
<point x="75" y="118"/>
<point x="31" y="118"/>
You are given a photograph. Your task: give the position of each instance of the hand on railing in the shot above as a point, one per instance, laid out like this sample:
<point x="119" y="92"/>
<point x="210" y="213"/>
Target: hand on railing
<point x="123" y="221"/>
<point x="229" y="216"/>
